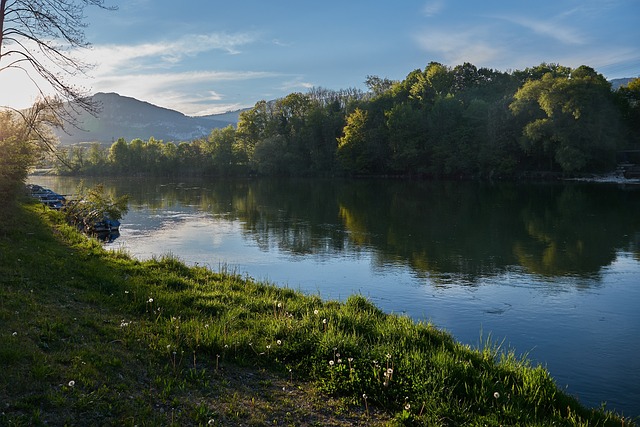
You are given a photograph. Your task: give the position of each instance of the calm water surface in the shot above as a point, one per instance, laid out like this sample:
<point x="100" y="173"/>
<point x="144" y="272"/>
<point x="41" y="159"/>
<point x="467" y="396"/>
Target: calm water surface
<point x="550" y="270"/>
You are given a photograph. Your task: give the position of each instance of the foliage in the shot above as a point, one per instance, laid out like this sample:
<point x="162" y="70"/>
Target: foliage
<point x="88" y="326"/>
<point x="437" y="122"/>
<point x="24" y="137"/>
<point x="93" y="205"/>
<point x="574" y="119"/>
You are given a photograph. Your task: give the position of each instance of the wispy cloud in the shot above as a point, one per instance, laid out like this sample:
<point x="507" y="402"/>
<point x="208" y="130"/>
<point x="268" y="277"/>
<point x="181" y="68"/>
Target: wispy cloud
<point x="295" y="84"/>
<point x="433" y="7"/>
<point x="163" y="53"/>
<point x="551" y="28"/>
<point x="456" y="47"/>
<point x="153" y="71"/>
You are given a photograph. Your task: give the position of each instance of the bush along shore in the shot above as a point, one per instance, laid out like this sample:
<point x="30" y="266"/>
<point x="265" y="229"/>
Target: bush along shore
<point x="94" y="337"/>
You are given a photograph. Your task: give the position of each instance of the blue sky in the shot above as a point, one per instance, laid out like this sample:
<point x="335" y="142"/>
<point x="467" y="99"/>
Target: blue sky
<point x="208" y="56"/>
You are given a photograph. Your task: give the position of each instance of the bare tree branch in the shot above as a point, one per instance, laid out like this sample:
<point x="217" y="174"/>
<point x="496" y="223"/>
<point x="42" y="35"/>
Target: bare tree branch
<point x="37" y="37"/>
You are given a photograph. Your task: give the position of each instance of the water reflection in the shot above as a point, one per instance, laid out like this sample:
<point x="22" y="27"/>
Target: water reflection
<point x="441" y="230"/>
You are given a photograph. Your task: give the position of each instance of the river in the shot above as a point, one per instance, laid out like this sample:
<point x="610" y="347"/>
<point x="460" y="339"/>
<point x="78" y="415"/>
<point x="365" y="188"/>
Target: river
<point x="551" y="271"/>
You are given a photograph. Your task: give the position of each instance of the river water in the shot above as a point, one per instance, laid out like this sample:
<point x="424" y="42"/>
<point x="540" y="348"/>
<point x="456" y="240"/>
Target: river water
<point x="551" y="271"/>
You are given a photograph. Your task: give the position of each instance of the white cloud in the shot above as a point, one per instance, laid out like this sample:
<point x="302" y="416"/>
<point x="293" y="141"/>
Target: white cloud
<point x="457" y="47"/>
<point x="296" y="84"/>
<point x="433" y="7"/>
<point x="161" y="54"/>
<point x="149" y="71"/>
<point x="551" y="28"/>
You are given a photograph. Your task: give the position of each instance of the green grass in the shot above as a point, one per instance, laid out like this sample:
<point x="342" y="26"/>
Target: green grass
<point x="92" y="337"/>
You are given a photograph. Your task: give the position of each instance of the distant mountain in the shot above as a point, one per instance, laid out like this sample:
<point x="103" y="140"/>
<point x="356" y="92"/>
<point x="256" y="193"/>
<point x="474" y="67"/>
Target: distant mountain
<point x="616" y="83"/>
<point x="129" y="118"/>
<point x="231" y="116"/>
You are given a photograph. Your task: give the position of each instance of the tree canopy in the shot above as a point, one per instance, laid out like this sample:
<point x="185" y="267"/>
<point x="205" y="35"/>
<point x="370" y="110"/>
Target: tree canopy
<point x="442" y="121"/>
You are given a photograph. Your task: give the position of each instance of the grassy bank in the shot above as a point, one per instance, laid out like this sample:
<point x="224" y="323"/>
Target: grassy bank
<point x="90" y="337"/>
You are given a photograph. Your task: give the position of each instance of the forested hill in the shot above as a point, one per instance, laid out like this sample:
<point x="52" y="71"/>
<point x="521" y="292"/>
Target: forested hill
<point x="121" y="116"/>
<point x="618" y="83"/>
<point x="441" y="121"/>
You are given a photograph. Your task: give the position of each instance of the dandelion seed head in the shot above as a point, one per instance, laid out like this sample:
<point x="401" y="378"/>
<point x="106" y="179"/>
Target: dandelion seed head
<point x="364" y="396"/>
<point x="407" y="406"/>
<point x="331" y="362"/>
<point x="388" y="356"/>
<point x="324" y="321"/>
<point x="72" y="383"/>
<point x="389" y="371"/>
<point x="279" y="342"/>
<point x="150" y="300"/>
<point x="316" y="312"/>
<point x="350" y="359"/>
<point x="496" y="395"/>
<point x="15" y="334"/>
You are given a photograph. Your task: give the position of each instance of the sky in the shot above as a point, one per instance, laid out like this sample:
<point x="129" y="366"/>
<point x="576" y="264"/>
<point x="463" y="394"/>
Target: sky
<point x="208" y="56"/>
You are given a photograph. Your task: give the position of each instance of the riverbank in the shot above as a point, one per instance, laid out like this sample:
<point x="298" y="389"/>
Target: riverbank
<point x="95" y="337"/>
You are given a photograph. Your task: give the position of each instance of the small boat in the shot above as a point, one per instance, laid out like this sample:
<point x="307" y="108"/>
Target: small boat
<point x="107" y="225"/>
<point x="47" y="197"/>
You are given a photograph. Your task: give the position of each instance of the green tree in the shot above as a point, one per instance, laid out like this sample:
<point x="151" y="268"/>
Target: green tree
<point x="573" y="120"/>
<point x="253" y="125"/>
<point x="629" y="100"/>
<point x="223" y="149"/>
<point x="152" y="155"/>
<point x="24" y="137"/>
<point x="378" y="85"/>
<point x="97" y="157"/>
<point x="269" y="156"/>
<point x="119" y="155"/>
<point x="408" y="139"/>
<point x="169" y="158"/>
<point x="352" y="145"/>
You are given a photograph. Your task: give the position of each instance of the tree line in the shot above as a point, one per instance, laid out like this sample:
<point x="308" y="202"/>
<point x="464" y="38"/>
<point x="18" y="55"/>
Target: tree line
<point x="440" y="122"/>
